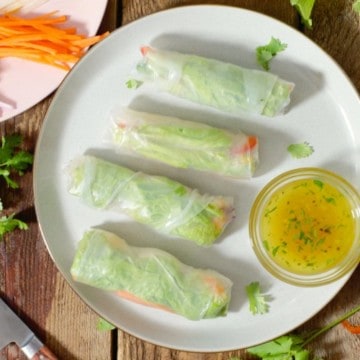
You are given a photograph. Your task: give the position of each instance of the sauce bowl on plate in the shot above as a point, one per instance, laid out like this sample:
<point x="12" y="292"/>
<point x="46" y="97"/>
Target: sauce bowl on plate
<point x="305" y="227"/>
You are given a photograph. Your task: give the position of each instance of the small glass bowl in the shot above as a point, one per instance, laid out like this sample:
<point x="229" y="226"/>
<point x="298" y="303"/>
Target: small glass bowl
<point x="300" y="255"/>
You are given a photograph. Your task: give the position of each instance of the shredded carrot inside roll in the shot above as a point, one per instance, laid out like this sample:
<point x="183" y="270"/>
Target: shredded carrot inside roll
<point x="44" y="39"/>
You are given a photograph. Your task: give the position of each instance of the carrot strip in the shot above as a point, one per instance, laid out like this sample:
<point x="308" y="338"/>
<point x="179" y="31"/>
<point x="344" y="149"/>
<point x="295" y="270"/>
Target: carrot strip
<point x="215" y="284"/>
<point x="354" y="329"/>
<point x="41" y="39"/>
<point x="144" y="50"/>
<point x="131" y="297"/>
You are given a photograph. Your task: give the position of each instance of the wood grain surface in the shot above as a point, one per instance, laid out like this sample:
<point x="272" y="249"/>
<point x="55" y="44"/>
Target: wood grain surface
<point x="30" y="281"/>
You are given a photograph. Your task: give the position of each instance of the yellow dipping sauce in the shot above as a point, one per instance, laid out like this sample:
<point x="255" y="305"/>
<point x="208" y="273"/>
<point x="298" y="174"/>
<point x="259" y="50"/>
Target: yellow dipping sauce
<point x="307" y="226"/>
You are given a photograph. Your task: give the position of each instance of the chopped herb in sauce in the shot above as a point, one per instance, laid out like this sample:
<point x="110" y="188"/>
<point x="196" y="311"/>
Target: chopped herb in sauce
<point x="307" y="226"/>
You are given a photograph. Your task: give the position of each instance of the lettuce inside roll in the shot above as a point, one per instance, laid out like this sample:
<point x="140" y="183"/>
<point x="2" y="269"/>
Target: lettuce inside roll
<point x="224" y="86"/>
<point x="162" y="203"/>
<point x="185" y="144"/>
<point x="149" y="276"/>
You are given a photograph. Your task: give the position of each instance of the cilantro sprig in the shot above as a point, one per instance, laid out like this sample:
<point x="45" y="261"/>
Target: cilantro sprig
<point x="258" y="302"/>
<point x="12" y="160"/>
<point x="304" y="8"/>
<point x="265" y="53"/>
<point x="9" y="223"/>
<point x="292" y="346"/>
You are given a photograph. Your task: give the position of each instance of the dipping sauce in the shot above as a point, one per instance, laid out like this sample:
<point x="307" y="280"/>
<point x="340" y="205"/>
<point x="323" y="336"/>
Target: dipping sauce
<point x="304" y="226"/>
<point x="307" y="226"/>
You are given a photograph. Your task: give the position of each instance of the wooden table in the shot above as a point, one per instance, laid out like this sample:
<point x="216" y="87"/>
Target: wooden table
<point x="31" y="283"/>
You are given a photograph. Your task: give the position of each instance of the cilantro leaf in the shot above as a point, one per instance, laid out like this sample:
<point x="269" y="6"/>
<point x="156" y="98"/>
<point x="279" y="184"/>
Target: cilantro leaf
<point x="9" y="223"/>
<point x="133" y="84"/>
<point x="265" y="53"/>
<point x="301" y="150"/>
<point x="285" y="347"/>
<point x="291" y="347"/>
<point x="103" y="325"/>
<point x="356" y="6"/>
<point x="304" y="8"/>
<point x="257" y="301"/>
<point x="13" y="159"/>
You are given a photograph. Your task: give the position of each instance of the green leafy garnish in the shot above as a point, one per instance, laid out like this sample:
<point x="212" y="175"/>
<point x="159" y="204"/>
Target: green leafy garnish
<point x="292" y="347"/>
<point x="265" y="53"/>
<point x="304" y="8"/>
<point x="301" y="150"/>
<point x="8" y="224"/>
<point x="356" y="6"/>
<point x="103" y="325"/>
<point x="12" y="159"/>
<point x="285" y="347"/>
<point x="257" y="301"/>
<point x="133" y="84"/>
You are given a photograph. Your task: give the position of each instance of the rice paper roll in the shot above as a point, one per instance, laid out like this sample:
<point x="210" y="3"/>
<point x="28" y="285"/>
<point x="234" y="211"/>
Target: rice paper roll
<point x="149" y="276"/>
<point x="224" y="86"/>
<point x="162" y="203"/>
<point x="185" y="144"/>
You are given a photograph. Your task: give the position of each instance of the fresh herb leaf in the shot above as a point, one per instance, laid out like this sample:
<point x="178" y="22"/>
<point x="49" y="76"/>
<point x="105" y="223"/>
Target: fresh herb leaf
<point x="133" y="84"/>
<point x="257" y="301"/>
<point x="103" y="325"/>
<point x="301" y="150"/>
<point x="265" y="53"/>
<point x="291" y="347"/>
<point x="8" y="224"/>
<point x="286" y="347"/>
<point x="356" y="6"/>
<point x="304" y="8"/>
<point x="13" y="159"/>
<point x="319" y="183"/>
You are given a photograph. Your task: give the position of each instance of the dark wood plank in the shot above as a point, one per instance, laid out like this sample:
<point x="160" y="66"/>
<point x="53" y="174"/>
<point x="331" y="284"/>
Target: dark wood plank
<point x="280" y="9"/>
<point x="336" y="30"/>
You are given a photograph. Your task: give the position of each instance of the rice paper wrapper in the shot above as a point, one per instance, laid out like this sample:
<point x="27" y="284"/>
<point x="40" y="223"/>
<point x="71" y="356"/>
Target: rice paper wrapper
<point x="149" y="276"/>
<point x="162" y="203"/>
<point x="224" y="86"/>
<point x="184" y="144"/>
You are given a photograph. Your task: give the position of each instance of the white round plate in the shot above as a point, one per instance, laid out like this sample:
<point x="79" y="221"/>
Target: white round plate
<point x="24" y="83"/>
<point x="324" y="112"/>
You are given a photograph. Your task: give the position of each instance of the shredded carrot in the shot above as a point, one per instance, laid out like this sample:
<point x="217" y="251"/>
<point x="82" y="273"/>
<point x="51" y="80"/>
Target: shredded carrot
<point x="144" y="50"/>
<point x="251" y="143"/>
<point x="129" y="296"/>
<point x="44" y="39"/>
<point x="215" y="284"/>
<point x="354" y="329"/>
